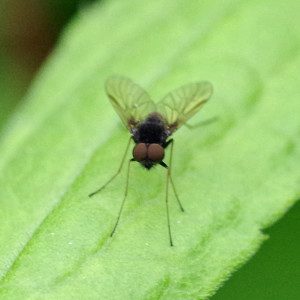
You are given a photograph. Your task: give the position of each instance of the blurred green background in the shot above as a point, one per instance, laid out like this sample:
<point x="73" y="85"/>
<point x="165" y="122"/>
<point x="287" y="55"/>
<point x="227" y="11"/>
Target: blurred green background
<point x="28" y="32"/>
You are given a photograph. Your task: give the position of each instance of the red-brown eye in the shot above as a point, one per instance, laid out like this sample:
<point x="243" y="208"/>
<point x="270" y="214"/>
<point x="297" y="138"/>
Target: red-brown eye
<point x="156" y="152"/>
<point x="140" y="152"/>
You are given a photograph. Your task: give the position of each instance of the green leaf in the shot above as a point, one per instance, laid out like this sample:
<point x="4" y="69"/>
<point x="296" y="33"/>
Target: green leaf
<point x="234" y="177"/>
<point x="274" y="272"/>
<point x="12" y="85"/>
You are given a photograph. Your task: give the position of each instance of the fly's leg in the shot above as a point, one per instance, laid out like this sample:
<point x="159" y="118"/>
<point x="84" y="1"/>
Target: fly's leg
<point x="176" y="195"/>
<point x="169" y="179"/>
<point x="123" y="202"/>
<point x="116" y="174"/>
<point x="171" y="141"/>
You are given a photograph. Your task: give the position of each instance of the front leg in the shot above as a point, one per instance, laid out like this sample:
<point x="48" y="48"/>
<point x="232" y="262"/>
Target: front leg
<point x="167" y="143"/>
<point x="169" y="174"/>
<point x="169" y="179"/>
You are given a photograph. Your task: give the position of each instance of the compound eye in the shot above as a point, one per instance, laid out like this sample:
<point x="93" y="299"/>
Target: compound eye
<point x="140" y="152"/>
<point x="156" y="152"/>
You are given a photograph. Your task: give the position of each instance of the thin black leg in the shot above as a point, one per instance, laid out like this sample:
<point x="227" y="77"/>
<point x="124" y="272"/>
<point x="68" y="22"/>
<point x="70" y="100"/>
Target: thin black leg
<point x="116" y="174"/>
<point x="167" y="193"/>
<point x="123" y="202"/>
<point x="176" y="195"/>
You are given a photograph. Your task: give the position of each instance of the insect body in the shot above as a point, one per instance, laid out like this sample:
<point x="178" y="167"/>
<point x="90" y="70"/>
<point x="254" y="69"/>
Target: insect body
<point x="150" y="138"/>
<point x="151" y="125"/>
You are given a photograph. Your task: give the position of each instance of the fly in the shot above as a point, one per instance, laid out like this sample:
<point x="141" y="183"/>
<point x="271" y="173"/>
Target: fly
<point x="151" y="126"/>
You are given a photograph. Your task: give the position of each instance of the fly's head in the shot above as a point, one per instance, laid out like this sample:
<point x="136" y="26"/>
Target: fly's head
<point x="148" y="154"/>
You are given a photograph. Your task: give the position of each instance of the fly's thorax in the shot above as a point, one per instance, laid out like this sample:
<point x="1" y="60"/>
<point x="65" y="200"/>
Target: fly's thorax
<point x="151" y="130"/>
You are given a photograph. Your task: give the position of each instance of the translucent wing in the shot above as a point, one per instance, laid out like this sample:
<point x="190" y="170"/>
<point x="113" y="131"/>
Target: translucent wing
<point x="129" y="100"/>
<point x="181" y="104"/>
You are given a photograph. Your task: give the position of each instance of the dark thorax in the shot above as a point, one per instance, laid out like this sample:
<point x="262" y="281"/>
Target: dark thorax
<point x="150" y="137"/>
<point x="151" y="130"/>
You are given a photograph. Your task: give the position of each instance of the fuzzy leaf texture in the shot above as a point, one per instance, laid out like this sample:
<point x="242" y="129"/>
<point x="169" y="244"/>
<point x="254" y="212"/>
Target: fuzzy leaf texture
<point x="235" y="177"/>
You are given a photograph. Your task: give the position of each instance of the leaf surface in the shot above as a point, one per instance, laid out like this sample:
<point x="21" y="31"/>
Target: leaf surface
<point x="234" y="177"/>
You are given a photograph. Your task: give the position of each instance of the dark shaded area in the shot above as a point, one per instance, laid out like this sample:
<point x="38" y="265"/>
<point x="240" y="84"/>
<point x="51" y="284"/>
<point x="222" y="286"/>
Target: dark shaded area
<point x="274" y="272"/>
<point x="28" y="31"/>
